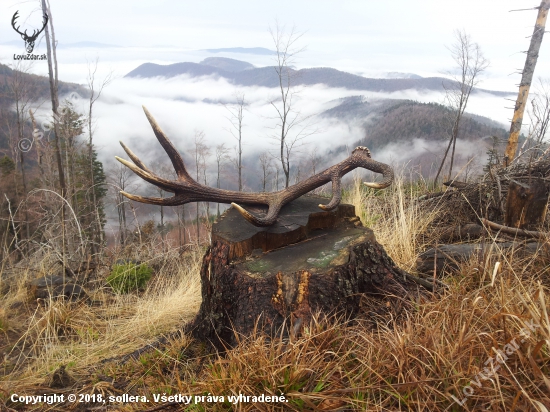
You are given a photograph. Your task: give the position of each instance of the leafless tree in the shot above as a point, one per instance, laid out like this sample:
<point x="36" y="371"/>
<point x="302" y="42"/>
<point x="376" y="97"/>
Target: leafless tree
<point x="95" y="88"/>
<point x="200" y="153"/>
<point x="314" y="160"/>
<point x="540" y="110"/>
<point x="119" y="179"/>
<point x="163" y="170"/>
<point x="292" y="126"/>
<point x="236" y="118"/>
<point x="266" y="167"/>
<point x="221" y="158"/>
<point x="470" y="63"/>
<point x="298" y="172"/>
<point x="526" y="78"/>
<point x="21" y="89"/>
<point x="51" y="46"/>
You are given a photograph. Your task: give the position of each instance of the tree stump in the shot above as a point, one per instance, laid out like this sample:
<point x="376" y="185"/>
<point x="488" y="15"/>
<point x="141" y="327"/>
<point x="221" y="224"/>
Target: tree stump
<point x="273" y="279"/>
<point x="526" y="204"/>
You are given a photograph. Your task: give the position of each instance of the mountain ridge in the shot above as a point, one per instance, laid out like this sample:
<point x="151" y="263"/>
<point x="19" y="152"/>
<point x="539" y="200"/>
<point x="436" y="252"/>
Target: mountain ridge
<point x="267" y="77"/>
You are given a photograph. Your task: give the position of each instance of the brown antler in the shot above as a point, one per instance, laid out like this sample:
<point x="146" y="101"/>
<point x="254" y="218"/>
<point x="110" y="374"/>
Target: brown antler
<point x="187" y="190"/>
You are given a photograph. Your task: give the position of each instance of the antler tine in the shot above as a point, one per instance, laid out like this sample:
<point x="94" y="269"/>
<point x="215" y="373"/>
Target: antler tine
<point x="336" y="194"/>
<point x="161" y="201"/>
<point x="168" y="185"/>
<point x="387" y="174"/>
<point x="134" y="158"/>
<point x="365" y="161"/>
<point x="169" y="148"/>
<point x="268" y="220"/>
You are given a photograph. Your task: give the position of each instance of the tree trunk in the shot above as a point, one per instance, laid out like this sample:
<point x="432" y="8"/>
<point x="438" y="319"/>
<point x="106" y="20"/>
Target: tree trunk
<point x="273" y="279"/>
<point x="526" y="204"/>
<point x="526" y="79"/>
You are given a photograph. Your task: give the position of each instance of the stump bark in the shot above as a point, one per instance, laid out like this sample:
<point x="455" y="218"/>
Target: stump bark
<point x="526" y="204"/>
<point x="274" y="279"/>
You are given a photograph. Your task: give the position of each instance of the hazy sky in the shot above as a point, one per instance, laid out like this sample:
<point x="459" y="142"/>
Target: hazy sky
<point x="363" y="37"/>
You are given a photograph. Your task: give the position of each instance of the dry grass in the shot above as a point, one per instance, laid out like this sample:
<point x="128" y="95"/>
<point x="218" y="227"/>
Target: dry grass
<point x="416" y="363"/>
<point x="80" y="334"/>
<point x="399" y="223"/>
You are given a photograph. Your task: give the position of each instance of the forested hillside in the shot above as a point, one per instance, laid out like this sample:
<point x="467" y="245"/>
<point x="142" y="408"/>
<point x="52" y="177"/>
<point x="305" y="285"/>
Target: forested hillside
<point x="393" y="120"/>
<point x="24" y="88"/>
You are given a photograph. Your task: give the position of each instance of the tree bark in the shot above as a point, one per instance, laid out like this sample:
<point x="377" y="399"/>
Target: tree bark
<point x="526" y="204"/>
<point x="273" y="279"/>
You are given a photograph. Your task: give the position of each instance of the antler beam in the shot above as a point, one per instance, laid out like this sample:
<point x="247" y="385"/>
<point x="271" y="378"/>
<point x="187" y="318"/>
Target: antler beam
<point x="187" y="190"/>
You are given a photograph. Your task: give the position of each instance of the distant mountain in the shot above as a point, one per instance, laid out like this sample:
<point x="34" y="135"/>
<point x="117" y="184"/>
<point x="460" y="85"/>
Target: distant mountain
<point x="267" y="77"/>
<point x="224" y="63"/>
<point x="394" y="120"/>
<point x="399" y="75"/>
<point x="244" y="50"/>
<point x="176" y="69"/>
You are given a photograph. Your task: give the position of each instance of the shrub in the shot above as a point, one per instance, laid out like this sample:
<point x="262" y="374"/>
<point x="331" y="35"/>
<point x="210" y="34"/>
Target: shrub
<point x="127" y="277"/>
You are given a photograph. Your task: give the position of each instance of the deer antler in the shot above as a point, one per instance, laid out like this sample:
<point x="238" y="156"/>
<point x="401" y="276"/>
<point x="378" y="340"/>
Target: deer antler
<point x="187" y="190"/>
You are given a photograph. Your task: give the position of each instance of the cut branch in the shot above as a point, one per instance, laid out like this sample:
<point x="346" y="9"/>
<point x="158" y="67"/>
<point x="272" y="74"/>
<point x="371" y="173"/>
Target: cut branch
<point x="513" y="231"/>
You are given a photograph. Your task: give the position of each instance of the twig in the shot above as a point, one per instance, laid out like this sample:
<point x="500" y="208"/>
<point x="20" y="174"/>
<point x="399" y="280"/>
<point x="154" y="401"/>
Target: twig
<point x="497" y="180"/>
<point x="420" y="281"/>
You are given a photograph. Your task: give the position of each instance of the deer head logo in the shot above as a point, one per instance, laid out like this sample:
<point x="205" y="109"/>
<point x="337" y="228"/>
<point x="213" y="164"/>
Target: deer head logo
<point x="29" y="40"/>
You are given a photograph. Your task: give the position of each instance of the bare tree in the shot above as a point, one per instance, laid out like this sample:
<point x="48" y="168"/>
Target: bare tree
<point x="265" y="165"/>
<point x="314" y="160"/>
<point x="540" y="110"/>
<point x="525" y="83"/>
<point x="221" y="158"/>
<point x="200" y="153"/>
<point x="21" y="88"/>
<point x="539" y="115"/>
<point x="51" y="46"/>
<point x="182" y="237"/>
<point x="120" y="178"/>
<point x="95" y="93"/>
<point x="292" y="127"/>
<point x="236" y="118"/>
<point x="163" y="170"/>
<point x="470" y="63"/>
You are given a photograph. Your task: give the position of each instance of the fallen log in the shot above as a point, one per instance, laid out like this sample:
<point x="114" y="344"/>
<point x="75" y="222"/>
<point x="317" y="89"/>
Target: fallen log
<point x="513" y="231"/>
<point x="444" y="257"/>
<point x="469" y="231"/>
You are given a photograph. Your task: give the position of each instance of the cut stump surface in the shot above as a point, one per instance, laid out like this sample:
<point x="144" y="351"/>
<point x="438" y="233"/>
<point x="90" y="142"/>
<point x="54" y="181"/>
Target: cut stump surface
<point x="274" y="277"/>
